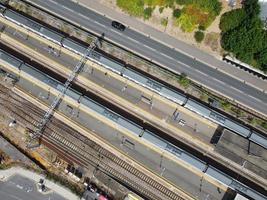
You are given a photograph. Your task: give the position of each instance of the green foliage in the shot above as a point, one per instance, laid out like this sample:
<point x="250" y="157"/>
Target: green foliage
<point x="184" y="2"/>
<point x="231" y="20"/>
<point x="244" y="35"/>
<point x="211" y="6"/>
<point x="133" y="7"/>
<point x="264" y="125"/>
<point x="199" y="36"/>
<point x="176" y="13"/>
<point x="164" y="22"/>
<point x="161" y="9"/>
<point x="198" y="13"/>
<point x="226" y="105"/>
<point x="201" y="27"/>
<point x="166" y="3"/>
<point x="186" y="23"/>
<point x="148" y="12"/>
<point x="261" y="58"/>
<point x="194" y="12"/>
<point x="251" y="7"/>
<point x="183" y="80"/>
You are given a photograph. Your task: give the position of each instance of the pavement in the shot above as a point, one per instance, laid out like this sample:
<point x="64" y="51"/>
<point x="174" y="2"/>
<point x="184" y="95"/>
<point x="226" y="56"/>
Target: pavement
<point x="169" y="56"/>
<point x="12" y="152"/>
<point x="20" y="184"/>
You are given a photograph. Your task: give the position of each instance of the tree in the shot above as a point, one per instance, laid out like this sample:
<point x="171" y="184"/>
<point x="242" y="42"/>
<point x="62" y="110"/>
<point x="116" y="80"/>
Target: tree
<point x="231" y="20"/>
<point x="176" y="13"/>
<point x="148" y="12"/>
<point x="251" y="7"/>
<point x="199" y="36"/>
<point x="262" y="59"/>
<point x="244" y="36"/>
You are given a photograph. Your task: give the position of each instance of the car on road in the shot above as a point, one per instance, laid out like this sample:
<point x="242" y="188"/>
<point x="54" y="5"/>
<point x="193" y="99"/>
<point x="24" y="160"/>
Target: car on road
<point x="118" y="25"/>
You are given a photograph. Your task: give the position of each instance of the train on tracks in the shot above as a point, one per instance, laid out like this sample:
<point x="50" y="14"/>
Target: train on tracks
<point x="20" y="70"/>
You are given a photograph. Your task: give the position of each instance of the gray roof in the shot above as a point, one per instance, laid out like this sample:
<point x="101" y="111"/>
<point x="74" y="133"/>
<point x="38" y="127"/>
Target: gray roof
<point x="247" y="191"/>
<point x="258" y="139"/>
<point x="218" y="175"/>
<point x="16" y="17"/>
<point x="220" y="119"/>
<point x="193" y="161"/>
<point x="52" y="35"/>
<point x="92" y="105"/>
<point x="154" y="85"/>
<point x="73" y="94"/>
<point x="33" y="26"/>
<point x="217" y="117"/>
<point x="236" y="127"/>
<point x="173" y="95"/>
<point x="198" y="108"/>
<point x="106" y="62"/>
<point x="74" y="46"/>
<point x="152" y="138"/>
<point x="134" y="128"/>
<point x="135" y="76"/>
<point x="14" y="62"/>
<point x="111" y="64"/>
<point x="174" y="150"/>
<point x="25" y="68"/>
<point x="161" y="143"/>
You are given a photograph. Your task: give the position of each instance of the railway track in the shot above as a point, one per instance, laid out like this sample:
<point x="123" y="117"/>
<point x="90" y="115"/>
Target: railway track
<point x="82" y="150"/>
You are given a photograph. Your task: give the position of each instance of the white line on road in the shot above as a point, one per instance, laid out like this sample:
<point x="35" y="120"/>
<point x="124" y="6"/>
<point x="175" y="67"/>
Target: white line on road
<point x="236" y="89"/>
<point x="255" y="99"/>
<point x="221" y="82"/>
<point x="201" y="72"/>
<point x="116" y="32"/>
<point x="67" y="8"/>
<point x="185" y="65"/>
<point x="166" y="56"/>
<point x="99" y="24"/>
<point x="129" y="38"/>
<point x="149" y="48"/>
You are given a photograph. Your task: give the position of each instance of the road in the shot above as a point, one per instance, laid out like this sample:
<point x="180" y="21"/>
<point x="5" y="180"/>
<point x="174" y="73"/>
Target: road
<point x="20" y="184"/>
<point x="18" y="187"/>
<point x="159" y="53"/>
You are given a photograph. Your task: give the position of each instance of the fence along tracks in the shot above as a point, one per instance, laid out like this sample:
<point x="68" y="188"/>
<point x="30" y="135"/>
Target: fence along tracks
<point x="84" y="150"/>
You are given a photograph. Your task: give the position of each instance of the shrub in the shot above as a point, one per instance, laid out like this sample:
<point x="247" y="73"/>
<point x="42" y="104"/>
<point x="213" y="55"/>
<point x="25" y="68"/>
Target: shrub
<point x="164" y="22"/>
<point x="226" y="105"/>
<point x="148" y="12"/>
<point x="184" y="2"/>
<point x="201" y="28"/>
<point x="183" y="80"/>
<point x="199" y="36"/>
<point x="186" y="23"/>
<point x="176" y="13"/>
<point x="161" y="9"/>
<point x="133" y="7"/>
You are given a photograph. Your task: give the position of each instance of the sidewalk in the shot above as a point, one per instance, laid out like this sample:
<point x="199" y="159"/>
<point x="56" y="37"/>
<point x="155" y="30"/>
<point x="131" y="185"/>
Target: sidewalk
<point x="64" y="192"/>
<point x="168" y="40"/>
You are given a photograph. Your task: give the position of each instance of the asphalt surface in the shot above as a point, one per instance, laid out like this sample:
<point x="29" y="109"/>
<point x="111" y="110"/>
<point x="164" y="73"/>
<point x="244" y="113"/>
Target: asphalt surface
<point x="21" y="188"/>
<point x="13" y="153"/>
<point x="159" y="53"/>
